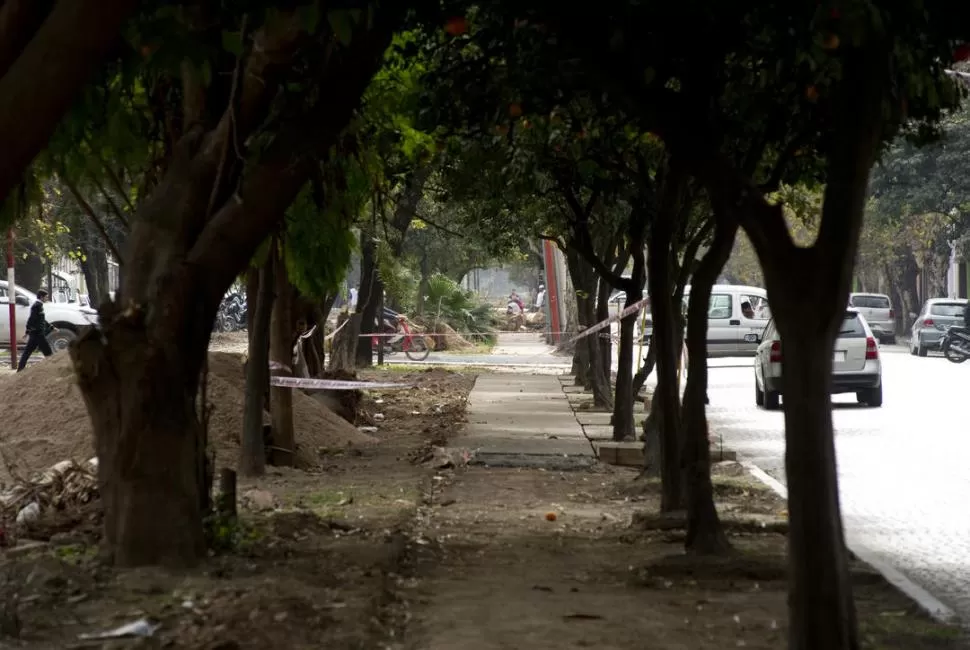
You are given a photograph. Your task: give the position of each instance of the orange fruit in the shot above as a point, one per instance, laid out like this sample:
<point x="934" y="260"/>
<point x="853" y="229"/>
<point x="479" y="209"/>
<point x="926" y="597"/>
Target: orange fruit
<point x="550" y="516"/>
<point x="811" y="93"/>
<point x="831" y="42"/>
<point x="456" y="25"/>
<point x="515" y="110"/>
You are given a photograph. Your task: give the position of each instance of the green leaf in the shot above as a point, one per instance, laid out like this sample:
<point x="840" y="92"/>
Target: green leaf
<point x="232" y="42"/>
<point x="310" y="16"/>
<point x="342" y="23"/>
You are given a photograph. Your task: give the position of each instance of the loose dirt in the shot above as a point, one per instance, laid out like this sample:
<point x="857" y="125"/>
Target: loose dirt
<point x="45" y="420"/>
<point x="523" y="558"/>
<point x="317" y="561"/>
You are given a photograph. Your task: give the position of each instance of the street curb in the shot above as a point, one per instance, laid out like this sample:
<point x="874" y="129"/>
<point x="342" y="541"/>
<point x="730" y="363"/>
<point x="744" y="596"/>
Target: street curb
<point x="927" y="601"/>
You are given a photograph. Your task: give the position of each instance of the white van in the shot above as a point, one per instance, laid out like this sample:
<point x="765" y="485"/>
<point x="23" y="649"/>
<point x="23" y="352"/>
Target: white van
<point x="736" y="318"/>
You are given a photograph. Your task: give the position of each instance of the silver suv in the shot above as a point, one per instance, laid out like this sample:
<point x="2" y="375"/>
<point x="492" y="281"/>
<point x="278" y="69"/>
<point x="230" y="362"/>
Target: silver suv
<point x="877" y="309"/>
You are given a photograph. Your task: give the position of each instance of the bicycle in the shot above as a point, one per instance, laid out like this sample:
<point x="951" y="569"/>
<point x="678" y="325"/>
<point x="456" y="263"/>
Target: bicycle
<point x="416" y="347"/>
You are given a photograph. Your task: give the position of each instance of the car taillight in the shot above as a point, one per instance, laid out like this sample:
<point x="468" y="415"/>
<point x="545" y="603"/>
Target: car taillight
<point x="872" y="352"/>
<point x="775" y="352"/>
<point x="892" y="314"/>
<point x="928" y="322"/>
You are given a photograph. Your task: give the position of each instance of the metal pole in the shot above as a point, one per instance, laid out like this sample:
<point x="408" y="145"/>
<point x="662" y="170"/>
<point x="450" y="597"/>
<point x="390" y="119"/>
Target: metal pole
<point x="12" y="298"/>
<point x="380" y="329"/>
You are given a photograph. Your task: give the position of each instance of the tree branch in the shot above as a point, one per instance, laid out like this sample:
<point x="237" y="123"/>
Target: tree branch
<point x="88" y="210"/>
<point x="114" y="207"/>
<point x="438" y="226"/>
<point x="41" y="83"/>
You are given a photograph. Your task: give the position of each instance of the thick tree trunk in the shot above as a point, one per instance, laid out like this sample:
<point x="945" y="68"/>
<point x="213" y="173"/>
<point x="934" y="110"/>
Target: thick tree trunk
<point x="252" y="451"/>
<point x="667" y="341"/>
<point x="822" y="609"/>
<point x="140" y="393"/>
<point x="281" y="352"/>
<point x="368" y="300"/>
<point x="39" y="82"/>
<point x="705" y="536"/>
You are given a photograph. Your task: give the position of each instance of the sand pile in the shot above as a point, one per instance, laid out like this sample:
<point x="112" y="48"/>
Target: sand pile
<point x="43" y="419"/>
<point x="446" y="338"/>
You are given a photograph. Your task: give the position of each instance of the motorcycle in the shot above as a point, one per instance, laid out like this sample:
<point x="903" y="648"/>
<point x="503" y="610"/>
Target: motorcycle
<point x="398" y="337"/>
<point x="956" y="344"/>
<point x="231" y="316"/>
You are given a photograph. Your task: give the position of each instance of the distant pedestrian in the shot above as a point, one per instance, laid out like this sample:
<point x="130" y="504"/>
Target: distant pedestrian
<point x="37" y="330"/>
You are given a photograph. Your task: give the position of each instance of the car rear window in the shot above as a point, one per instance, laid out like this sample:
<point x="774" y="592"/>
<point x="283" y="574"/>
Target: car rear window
<point x="852" y="327"/>
<point x="953" y="309"/>
<point x="871" y="302"/>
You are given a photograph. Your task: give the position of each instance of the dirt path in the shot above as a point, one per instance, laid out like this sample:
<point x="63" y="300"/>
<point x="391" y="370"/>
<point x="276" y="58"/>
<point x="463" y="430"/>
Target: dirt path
<point x="495" y="569"/>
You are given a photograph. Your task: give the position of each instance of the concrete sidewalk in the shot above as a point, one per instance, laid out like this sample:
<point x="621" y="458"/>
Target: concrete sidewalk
<point x="523" y="420"/>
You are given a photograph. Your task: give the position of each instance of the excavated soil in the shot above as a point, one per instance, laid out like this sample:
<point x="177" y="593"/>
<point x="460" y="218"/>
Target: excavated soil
<point x="45" y="420"/>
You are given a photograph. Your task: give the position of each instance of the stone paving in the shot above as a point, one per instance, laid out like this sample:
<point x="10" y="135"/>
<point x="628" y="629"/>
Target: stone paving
<point x="904" y="482"/>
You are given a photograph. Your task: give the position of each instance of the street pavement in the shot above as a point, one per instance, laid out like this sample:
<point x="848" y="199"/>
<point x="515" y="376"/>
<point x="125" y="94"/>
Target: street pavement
<point x="903" y="475"/>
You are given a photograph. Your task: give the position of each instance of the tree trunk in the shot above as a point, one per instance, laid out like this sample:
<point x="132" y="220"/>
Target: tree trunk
<point x="649" y="362"/>
<point x="39" y="82"/>
<point x="705" y="536"/>
<point x="624" y="427"/>
<point x="368" y="299"/>
<point x="94" y="266"/>
<point x="343" y="349"/>
<point x="281" y="352"/>
<point x="252" y="451"/>
<point x="140" y="393"/>
<point x="604" y="338"/>
<point x="667" y="340"/>
<point x="822" y="609"/>
<point x="585" y="281"/>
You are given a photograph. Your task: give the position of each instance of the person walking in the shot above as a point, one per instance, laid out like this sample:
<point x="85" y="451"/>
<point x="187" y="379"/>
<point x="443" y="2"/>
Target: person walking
<point x="37" y="329"/>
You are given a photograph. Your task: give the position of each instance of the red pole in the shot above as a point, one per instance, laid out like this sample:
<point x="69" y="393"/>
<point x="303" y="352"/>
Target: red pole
<point x="552" y="290"/>
<point x="12" y="298"/>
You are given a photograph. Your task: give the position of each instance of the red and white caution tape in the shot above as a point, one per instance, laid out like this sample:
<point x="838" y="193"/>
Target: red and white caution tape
<point x="333" y="384"/>
<point x="632" y="309"/>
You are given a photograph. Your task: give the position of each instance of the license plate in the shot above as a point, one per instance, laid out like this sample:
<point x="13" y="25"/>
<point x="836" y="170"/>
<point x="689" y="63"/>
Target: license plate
<point x="839" y="356"/>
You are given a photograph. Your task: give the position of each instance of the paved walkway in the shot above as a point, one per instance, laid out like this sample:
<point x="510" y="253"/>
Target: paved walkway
<point x="523" y="420"/>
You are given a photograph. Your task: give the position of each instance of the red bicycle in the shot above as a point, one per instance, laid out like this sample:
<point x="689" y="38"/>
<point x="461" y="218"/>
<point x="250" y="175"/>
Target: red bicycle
<point x="415" y="346"/>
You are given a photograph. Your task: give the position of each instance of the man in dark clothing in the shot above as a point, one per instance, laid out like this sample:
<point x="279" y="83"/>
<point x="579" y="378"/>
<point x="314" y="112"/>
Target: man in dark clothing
<point x="37" y="330"/>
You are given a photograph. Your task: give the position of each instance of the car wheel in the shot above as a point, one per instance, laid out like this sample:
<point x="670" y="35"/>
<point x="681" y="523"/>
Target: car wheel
<point x="920" y="348"/>
<point x="759" y="395"/>
<point x="870" y="397"/>
<point x="772" y="400"/>
<point x="60" y="340"/>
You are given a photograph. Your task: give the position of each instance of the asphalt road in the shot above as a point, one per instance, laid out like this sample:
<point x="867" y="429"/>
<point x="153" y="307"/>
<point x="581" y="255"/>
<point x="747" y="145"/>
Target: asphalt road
<point x="903" y="475"/>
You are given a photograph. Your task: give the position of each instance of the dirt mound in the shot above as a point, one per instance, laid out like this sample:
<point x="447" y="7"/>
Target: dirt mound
<point x="45" y="420"/>
<point x="446" y="338"/>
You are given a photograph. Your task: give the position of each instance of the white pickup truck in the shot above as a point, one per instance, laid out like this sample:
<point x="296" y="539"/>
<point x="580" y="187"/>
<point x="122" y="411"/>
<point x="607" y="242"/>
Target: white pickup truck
<point x="67" y="319"/>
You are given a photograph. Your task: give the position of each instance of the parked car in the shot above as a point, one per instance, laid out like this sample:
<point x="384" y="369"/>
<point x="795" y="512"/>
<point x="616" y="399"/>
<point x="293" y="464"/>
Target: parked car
<point x="736" y="319"/>
<point x="66" y="318"/>
<point x="936" y="315"/>
<point x="878" y="311"/>
<point x="856" y="367"/>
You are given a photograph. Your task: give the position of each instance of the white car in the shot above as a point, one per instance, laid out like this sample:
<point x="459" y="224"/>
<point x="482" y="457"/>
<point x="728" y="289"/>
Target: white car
<point x="66" y="318"/>
<point x="856" y="367"/>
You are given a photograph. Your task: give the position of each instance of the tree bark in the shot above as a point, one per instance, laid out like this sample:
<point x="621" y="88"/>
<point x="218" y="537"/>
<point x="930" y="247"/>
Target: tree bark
<point x="649" y="362"/>
<point x="139" y="369"/>
<point x="585" y="281"/>
<point x="40" y="81"/>
<point x="281" y="352"/>
<point x="94" y="266"/>
<point x="705" y="536"/>
<point x="252" y="451"/>
<point x="368" y="299"/>
<point x="624" y="427"/>
<point x="667" y="340"/>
